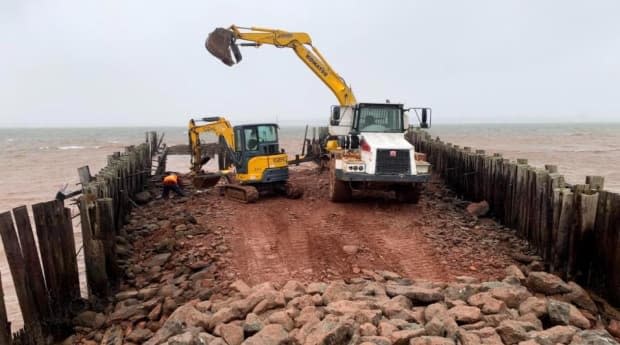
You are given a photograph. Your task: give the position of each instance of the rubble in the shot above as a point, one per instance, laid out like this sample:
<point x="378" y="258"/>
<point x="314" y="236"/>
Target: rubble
<point x="183" y="286"/>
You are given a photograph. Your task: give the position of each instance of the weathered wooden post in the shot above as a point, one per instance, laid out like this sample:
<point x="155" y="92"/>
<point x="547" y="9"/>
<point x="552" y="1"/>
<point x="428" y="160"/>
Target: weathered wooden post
<point x="32" y="261"/>
<point x="55" y="235"/>
<point x="565" y="228"/>
<point x="5" y="326"/>
<point x="17" y="265"/>
<point x="105" y="231"/>
<point x="94" y="252"/>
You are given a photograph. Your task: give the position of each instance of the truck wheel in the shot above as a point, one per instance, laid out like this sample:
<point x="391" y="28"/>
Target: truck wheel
<point x="339" y="191"/>
<point x="409" y="194"/>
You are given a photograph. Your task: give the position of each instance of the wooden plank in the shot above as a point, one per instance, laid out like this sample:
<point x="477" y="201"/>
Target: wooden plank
<point x="69" y="274"/>
<point x="586" y="216"/>
<point x="94" y="254"/>
<point x="5" y="325"/>
<point x="49" y="221"/>
<point x="32" y="261"/>
<point x="595" y="182"/>
<point x="84" y="174"/>
<point x="19" y="274"/>
<point x="565" y="227"/>
<point x="106" y="228"/>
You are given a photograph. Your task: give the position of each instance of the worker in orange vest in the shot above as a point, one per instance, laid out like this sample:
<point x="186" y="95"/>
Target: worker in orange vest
<point x="172" y="182"/>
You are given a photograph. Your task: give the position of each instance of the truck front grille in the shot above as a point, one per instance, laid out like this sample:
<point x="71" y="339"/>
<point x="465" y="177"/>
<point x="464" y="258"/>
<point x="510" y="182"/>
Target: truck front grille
<point x="393" y="162"/>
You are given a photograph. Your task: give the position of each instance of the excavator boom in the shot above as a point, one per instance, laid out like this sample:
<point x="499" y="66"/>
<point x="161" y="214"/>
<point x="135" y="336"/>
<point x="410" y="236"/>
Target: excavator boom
<point x="221" y="43"/>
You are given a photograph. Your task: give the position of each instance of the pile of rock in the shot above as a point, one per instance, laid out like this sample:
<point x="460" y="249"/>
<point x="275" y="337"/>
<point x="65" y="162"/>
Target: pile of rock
<point x="538" y="308"/>
<point x="167" y="258"/>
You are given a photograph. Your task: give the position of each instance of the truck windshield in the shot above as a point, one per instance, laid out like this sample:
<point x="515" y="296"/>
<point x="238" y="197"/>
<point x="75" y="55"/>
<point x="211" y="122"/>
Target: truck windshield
<point x="380" y="119"/>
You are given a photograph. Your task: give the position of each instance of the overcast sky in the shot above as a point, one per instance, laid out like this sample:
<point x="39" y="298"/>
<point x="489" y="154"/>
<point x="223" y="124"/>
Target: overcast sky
<point x="83" y="62"/>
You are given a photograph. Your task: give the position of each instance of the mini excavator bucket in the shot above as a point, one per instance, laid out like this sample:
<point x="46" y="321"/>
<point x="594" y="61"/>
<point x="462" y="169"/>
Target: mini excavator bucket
<point x="221" y="44"/>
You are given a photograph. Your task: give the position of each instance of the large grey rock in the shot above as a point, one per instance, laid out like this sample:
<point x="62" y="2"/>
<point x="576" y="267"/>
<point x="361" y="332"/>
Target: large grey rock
<point x="465" y="314"/>
<point x="554" y="335"/>
<point x="478" y="209"/>
<point x="182" y="318"/>
<point x="375" y="340"/>
<point x="559" y="312"/>
<point x="269" y="335"/>
<point x="535" y="305"/>
<point x="403" y="337"/>
<point x="142" y="198"/>
<point x="329" y="331"/>
<point x="293" y="289"/>
<point x="580" y="297"/>
<point x="395" y="306"/>
<point x="252" y="324"/>
<point x="232" y="334"/>
<point x="431" y="340"/>
<point x="593" y="337"/>
<point x="546" y="283"/>
<point x="513" y="331"/>
<point x="139" y="335"/>
<point x="336" y="291"/>
<point x="113" y="336"/>
<point x="417" y="294"/>
<point x="89" y="319"/>
<point x="157" y="260"/>
<point x="511" y="295"/>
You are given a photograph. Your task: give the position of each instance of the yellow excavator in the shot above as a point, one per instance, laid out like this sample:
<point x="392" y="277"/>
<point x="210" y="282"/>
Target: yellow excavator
<point x="253" y="162"/>
<point x="364" y="142"/>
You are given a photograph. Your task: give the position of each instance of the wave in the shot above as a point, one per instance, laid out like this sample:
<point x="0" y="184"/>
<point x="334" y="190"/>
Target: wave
<point x="71" y="147"/>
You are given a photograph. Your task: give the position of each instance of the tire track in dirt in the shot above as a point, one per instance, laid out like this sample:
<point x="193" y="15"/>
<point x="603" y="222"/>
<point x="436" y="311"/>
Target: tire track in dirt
<point x="278" y="239"/>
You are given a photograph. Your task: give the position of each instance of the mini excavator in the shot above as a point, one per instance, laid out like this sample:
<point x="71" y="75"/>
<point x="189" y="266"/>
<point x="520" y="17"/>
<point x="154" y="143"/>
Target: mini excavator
<point x="253" y="164"/>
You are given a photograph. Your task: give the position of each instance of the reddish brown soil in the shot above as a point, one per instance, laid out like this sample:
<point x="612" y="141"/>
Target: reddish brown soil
<point x="278" y="239"/>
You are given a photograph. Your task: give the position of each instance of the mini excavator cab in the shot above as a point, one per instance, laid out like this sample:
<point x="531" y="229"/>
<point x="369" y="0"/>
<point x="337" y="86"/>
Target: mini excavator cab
<point x="257" y="148"/>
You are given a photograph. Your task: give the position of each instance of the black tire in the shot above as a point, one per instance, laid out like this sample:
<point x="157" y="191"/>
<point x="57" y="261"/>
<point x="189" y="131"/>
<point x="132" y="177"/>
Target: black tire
<point x="409" y="194"/>
<point x="339" y="191"/>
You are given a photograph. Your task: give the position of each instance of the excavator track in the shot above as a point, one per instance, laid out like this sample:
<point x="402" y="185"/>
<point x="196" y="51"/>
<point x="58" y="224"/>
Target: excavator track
<point x="244" y="194"/>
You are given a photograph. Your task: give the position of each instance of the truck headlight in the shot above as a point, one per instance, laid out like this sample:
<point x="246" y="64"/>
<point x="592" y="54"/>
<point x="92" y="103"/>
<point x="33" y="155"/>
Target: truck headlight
<point x="356" y="167"/>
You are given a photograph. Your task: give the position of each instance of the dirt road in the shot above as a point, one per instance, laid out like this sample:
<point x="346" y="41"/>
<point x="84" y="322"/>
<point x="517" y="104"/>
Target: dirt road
<point x="278" y="239"/>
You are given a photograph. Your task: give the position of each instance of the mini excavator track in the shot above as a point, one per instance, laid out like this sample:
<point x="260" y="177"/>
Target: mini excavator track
<point x="244" y="194"/>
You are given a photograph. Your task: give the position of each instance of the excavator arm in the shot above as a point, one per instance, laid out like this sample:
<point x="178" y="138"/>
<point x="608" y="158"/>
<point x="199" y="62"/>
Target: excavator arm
<point x="217" y="125"/>
<point x="222" y="42"/>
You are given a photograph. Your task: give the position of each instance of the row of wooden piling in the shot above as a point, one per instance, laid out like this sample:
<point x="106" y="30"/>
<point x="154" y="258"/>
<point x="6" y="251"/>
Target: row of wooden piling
<point x="574" y="228"/>
<point x="46" y="278"/>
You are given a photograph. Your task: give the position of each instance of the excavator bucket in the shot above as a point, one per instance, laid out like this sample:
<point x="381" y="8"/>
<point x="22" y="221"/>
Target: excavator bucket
<point x="220" y="43"/>
<point x="204" y="181"/>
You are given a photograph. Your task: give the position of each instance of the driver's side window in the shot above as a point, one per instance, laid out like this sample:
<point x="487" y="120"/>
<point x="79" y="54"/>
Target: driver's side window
<point x="251" y="139"/>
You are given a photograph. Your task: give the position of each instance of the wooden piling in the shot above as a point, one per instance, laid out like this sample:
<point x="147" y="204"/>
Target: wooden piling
<point x="106" y="233"/>
<point x="576" y="229"/>
<point x="32" y="261"/>
<point x="94" y="253"/>
<point x="5" y="325"/>
<point x="19" y="274"/>
<point x="54" y="236"/>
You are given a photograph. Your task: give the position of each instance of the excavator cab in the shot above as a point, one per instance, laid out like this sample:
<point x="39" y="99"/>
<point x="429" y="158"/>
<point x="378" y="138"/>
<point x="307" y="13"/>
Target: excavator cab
<point x="257" y="148"/>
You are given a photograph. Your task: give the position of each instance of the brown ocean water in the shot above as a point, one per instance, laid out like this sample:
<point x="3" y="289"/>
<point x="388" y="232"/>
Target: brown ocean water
<point x="35" y="163"/>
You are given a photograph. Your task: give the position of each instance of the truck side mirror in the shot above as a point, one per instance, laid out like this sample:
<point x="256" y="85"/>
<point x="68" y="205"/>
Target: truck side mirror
<point x="424" y="121"/>
<point x="335" y="118"/>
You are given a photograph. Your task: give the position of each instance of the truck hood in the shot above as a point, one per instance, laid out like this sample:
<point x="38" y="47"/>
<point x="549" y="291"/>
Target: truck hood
<point x="394" y="141"/>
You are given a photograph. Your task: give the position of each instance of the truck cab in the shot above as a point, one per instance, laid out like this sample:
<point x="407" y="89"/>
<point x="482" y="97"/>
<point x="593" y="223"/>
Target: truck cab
<point x="372" y="153"/>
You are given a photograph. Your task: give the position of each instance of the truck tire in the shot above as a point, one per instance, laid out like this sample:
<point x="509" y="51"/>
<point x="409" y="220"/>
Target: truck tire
<point x="339" y="191"/>
<point x="409" y="194"/>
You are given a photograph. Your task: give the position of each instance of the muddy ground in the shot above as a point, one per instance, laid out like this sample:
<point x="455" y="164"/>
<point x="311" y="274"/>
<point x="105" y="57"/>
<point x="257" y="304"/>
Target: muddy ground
<point x="313" y="239"/>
